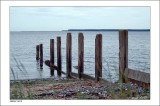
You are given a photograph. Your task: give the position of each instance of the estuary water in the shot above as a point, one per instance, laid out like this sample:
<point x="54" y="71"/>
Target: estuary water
<point x="23" y="62"/>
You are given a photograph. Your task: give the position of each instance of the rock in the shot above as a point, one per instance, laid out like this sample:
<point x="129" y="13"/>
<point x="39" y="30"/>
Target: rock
<point x="99" y="93"/>
<point x="102" y="96"/>
<point x="140" y="90"/>
<point x="117" y="89"/>
<point x="46" y="93"/>
<point x="134" y="98"/>
<point x="87" y="91"/>
<point x="61" y="95"/>
<point x="94" y="92"/>
<point x="104" y="92"/>
<point x="145" y="97"/>
<point x="66" y="93"/>
<point x="133" y="93"/>
<point x="146" y="91"/>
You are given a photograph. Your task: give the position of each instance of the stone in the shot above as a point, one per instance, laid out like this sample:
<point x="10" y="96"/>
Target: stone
<point x="117" y="89"/>
<point x="133" y="93"/>
<point x="46" y="93"/>
<point x="140" y="90"/>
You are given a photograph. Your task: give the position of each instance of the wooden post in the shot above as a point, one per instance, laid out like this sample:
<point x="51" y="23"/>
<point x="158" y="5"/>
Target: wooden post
<point x="98" y="57"/>
<point x="51" y="71"/>
<point x="69" y="55"/>
<point x="123" y="55"/>
<point x="41" y="55"/>
<point x="37" y="52"/>
<point x="52" y="57"/>
<point x="59" y="61"/>
<point x="51" y="52"/>
<point x="80" y="54"/>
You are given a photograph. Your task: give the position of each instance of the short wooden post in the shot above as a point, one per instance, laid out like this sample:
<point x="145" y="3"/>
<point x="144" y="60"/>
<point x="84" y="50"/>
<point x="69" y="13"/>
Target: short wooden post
<point x="123" y="55"/>
<point x="98" y="57"/>
<point x="37" y="52"/>
<point x="80" y="54"/>
<point x="59" y="60"/>
<point x="41" y="55"/>
<point x="51" y="52"/>
<point x="69" y="55"/>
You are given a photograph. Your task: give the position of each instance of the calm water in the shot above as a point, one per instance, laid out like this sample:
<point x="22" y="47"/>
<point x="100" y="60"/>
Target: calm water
<point x="23" y="48"/>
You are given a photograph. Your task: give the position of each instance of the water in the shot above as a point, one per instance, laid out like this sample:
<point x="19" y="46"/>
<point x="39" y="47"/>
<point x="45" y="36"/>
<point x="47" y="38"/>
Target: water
<point x="23" y="48"/>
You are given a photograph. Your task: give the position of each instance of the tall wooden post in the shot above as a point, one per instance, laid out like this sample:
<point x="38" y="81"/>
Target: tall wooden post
<point x="37" y="52"/>
<point x="41" y="55"/>
<point x="52" y="57"/>
<point x="69" y="55"/>
<point x="98" y="57"/>
<point x="51" y="52"/>
<point x="59" y="61"/>
<point x="123" y="55"/>
<point x="80" y="54"/>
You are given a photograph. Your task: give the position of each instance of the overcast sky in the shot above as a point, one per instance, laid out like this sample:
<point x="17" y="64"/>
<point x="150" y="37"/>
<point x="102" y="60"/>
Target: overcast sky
<point x="62" y="18"/>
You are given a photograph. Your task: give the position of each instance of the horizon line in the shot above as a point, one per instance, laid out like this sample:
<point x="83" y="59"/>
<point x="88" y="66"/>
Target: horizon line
<point x="146" y="29"/>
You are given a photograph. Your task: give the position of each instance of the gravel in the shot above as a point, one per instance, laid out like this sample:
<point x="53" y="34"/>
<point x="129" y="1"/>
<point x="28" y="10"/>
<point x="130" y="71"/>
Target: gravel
<point x="80" y="89"/>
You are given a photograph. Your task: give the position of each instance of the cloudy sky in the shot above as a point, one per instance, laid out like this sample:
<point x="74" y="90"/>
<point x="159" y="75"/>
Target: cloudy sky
<point x="62" y="18"/>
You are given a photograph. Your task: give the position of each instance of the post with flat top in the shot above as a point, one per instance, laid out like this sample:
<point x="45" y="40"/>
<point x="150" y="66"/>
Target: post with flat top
<point x="80" y="54"/>
<point x="123" y="55"/>
<point x="98" y="57"/>
<point x="52" y="57"/>
<point x="69" y="55"/>
<point x="59" y="60"/>
<point x="41" y="55"/>
<point x="51" y="52"/>
<point x="37" y="52"/>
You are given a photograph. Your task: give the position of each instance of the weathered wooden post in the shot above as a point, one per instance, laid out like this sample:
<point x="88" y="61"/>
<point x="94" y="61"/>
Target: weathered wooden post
<point x="98" y="57"/>
<point x="123" y="55"/>
<point x="52" y="57"/>
<point x="41" y="55"/>
<point x="37" y="52"/>
<point x="69" y="55"/>
<point x="51" y="52"/>
<point x="80" y="54"/>
<point x="59" y="60"/>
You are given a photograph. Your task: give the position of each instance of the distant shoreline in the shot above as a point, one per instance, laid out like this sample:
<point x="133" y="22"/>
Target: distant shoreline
<point x="90" y="30"/>
<point x="107" y="29"/>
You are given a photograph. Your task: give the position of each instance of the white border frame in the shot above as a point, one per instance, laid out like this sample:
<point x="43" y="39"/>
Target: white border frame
<point x="154" y="100"/>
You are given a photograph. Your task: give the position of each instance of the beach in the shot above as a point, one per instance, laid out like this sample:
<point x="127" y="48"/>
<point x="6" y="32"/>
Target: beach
<point x="75" y="89"/>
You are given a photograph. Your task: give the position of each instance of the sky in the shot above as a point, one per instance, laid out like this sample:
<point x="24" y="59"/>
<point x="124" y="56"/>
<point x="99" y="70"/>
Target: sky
<point x="63" y="18"/>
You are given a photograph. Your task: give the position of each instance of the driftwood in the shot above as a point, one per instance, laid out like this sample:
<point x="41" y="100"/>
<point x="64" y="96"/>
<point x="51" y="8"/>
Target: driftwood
<point x="47" y="62"/>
